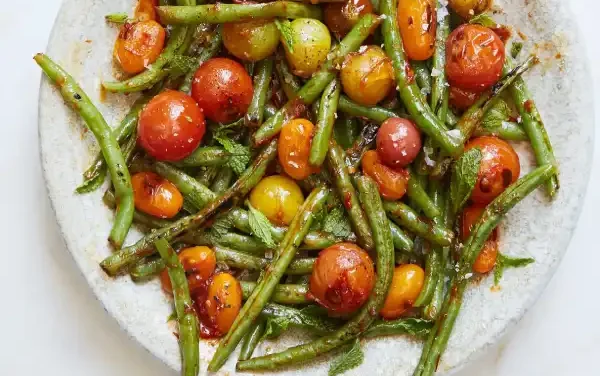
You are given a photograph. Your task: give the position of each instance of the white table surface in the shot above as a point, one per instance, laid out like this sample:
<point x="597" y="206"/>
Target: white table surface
<point x="51" y="324"/>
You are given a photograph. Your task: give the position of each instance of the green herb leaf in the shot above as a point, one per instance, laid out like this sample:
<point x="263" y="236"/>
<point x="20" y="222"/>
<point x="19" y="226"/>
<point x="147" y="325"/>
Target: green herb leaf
<point x="241" y="154"/>
<point x="351" y="358"/>
<point x="515" y="49"/>
<point x="274" y="327"/>
<point x="221" y="226"/>
<point x="464" y="177"/>
<point x="318" y="220"/>
<point x="337" y="223"/>
<point x="285" y="28"/>
<point x="484" y="19"/>
<point x="503" y="262"/>
<point x="495" y="116"/>
<point x="260" y="226"/>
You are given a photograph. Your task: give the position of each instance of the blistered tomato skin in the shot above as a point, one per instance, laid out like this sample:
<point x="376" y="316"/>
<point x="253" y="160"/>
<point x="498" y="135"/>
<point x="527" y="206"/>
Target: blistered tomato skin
<point x="171" y="126"/>
<point x="294" y="148"/>
<point x="144" y="10"/>
<point x="155" y="195"/>
<point x="499" y="168"/>
<point x="223" y="89"/>
<point x="201" y="260"/>
<point x="417" y="24"/>
<point x="251" y="40"/>
<point x="223" y="301"/>
<point x="398" y="142"/>
<point x="342" y="278"/>
<point x="486" y="259"/>
<point x="367" y="75"/>
<point x="474" y="57"/>
<point x="462" y="99"/>
<point x="406" y="286"/>
<point x="138" y="45"/>
<point x="469" y="8"/>
<point x="278" y="198"/>
<point x="392" y="182"/>
<point x="340" y="17"/>
<point x="310" y="46"/>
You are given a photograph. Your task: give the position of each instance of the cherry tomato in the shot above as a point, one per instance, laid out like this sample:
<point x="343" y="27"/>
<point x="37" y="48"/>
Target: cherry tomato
<point x="165" y="282"/>
<point x="367" y="75"/>
<point x="406" y="286"/>
<point x="171" y="126"/>
<point x="469" y="8"/>
<point x="200" y="260"/>
<point x="311" y="43"/>
<point x="398" y="142"/>
<point x="462" y="99"/>
<point x="223" y="301"/>
<point x="391" y="182"/>
<point x="223" y="89"/>
<point x="145" y="10"/>
<point x="342" y="278"/>
<point x="138" y="45"/>
<point x="486" y="260"/>
<point x="474" y="57"/>
<point x="196" y="283"/>
<point x="278" y="198"/>
<point x="341" y="17"/>
<point x="294" y="148"/>
<point x="499" y="168"/>
<point x="251" y="40"/>
<point x="417" y="21"/>
<point x="155" y="195"/>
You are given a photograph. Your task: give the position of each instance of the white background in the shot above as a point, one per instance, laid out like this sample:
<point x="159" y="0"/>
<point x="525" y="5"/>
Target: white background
<point x="51" y="324"/>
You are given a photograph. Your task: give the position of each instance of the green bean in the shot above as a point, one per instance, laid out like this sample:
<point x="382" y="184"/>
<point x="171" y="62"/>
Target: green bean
<point x="120" y="260"/>
<point x="147" y="269"/>
<point x="319" y="80"/>
<point x="412" y="326"/>
<point x="365" y="139"/>
<point x="345" y="130"/>
<point x="404" y="216"/>
<point x="489" y="219"/>
<point x="223" y="180"/>
<point x="416" y="193"/>
<point x="78" y="100"/>
<point x="347" y="194"/>
<point x="138" y="217"/>
<point x="119" y="18"/>
<point x="262" y="82"/>
<point x="189" y="343"/>
<point x="207" y="53"/>
<point x="360" y="322"/>
<point x="270" y="111"/>
<point x="534" y="128"/>
<point x="289" y="82"/>
<point x="271" y="276"/>
<point x="207" y="174"/>
<point x="223" y="13"/>
<point x="401" y="240"/>
<point x="205" y="156"/>
<point x="377" y="114"/>
<point x="324" y="128"/>
<point x="298" y="318"/>
<point x="409" y="92"/>
<point x="242" y="243"/>
<point x="422" y="76"/>
<point x="252" y="339"/>
<point x="283" y="294"/>
<point x="509" y="131"/>
<point x="439" y="87"/>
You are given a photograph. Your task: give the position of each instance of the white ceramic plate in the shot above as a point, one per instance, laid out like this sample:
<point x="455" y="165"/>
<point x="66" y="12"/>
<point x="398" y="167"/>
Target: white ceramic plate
<point x="82" y="42"/>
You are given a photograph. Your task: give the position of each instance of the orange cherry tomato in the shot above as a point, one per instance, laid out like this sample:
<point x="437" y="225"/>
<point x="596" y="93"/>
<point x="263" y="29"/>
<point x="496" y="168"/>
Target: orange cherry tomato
<point x="138" y="45"/>
<point x="200" y="260"/>
<point x="469" y="8"/>
<point x="342" y="16"/>
<point x="223" y="301"/>
<point x="474" y="57"/>
<point x="406" y="286"/>
<point x="342" y="278"/>
<point x="486" y="260"/>
<point x="171" y="126"/>
<point x="392" y="182"/>
<point x="155" y="195"/>
<point x="417" y="24"/>
<point x="294" y="148"/>
<point x="462" y="99"/>
<point x="144" y="10"/>
<point x="499" y="168"/>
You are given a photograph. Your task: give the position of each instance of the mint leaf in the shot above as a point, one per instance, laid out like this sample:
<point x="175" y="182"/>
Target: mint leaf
<point x="275" y="326"/>
<point x="287" y="33"/>
<point x="503" y="262"/>
<point x="484" y="19"/>
<point x="318" y="220"/>
<point x="260" y="226"/>
<point x="495" y="116"/>
<point x="337" y="223"/>
<point x="351" y="358"/>
<point x="241" y="154"/>
<point x="464" y="177"/>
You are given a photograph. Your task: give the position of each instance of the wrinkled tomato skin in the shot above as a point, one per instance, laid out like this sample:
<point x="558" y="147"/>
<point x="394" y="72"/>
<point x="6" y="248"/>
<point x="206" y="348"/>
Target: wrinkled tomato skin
<point x="474" y="58"/>
<point x="391" y="182"/>
<point x="407" y="282"/>
<point x="340" y="17"/>
<point x="171" y="126"/>
<point x="417" y="24"/>
<point x="499" y="168"/>
<point x="294" y="148"/>
<point x="398" y="142"/>
<point x="138" y="45"/>
<point x="486" y="259"/>
<point x="223" y="301"/>
<point x="462" y="99"/>
<point x="278" y="197"/>
<point x="223" y="89"/>
<point x="155" y="195"/>
<point x="342" y="278"/>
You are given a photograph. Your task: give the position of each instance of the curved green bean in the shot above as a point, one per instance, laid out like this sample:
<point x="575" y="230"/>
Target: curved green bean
<point x="416" y="193"/>
<point x="252" y="340"/>
<point x="138" y="217"/>
<point x="205" y="156"/>
<point x="208" y="52"/>
<point x="223" y="180"/>
<point x="509" y="131"/>
<point x="422" y="76"/>
<point x="406" y="217"/>
<point x="375" y="113"/>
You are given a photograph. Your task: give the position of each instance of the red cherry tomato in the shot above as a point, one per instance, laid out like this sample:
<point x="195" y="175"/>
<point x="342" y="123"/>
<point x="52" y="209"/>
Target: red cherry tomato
<point x="474" y="57"/>
<point x="171" y="126"/>
<point x="486" y="260"/>
<point x="340" y="17"/>
<point x="391" y="182"/>
<point x="223" y="89"/>
<point x="398" y="142"/>
<point x="499" y="168"/>
<point x="462" y="99"/>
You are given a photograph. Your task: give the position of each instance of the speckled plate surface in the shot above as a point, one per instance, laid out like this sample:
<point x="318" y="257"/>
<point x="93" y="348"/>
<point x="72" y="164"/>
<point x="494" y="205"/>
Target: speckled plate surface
<point x="82" y="42"/>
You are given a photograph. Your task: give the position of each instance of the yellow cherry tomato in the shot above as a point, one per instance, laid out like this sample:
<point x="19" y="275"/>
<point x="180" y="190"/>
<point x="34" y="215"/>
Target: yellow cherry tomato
<point x="278" y="198"/>
<point x="407" y="283"/>
<point x="310" y="44"/>
<point x="469" y="8"/>
<point x="251" y="40"/>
